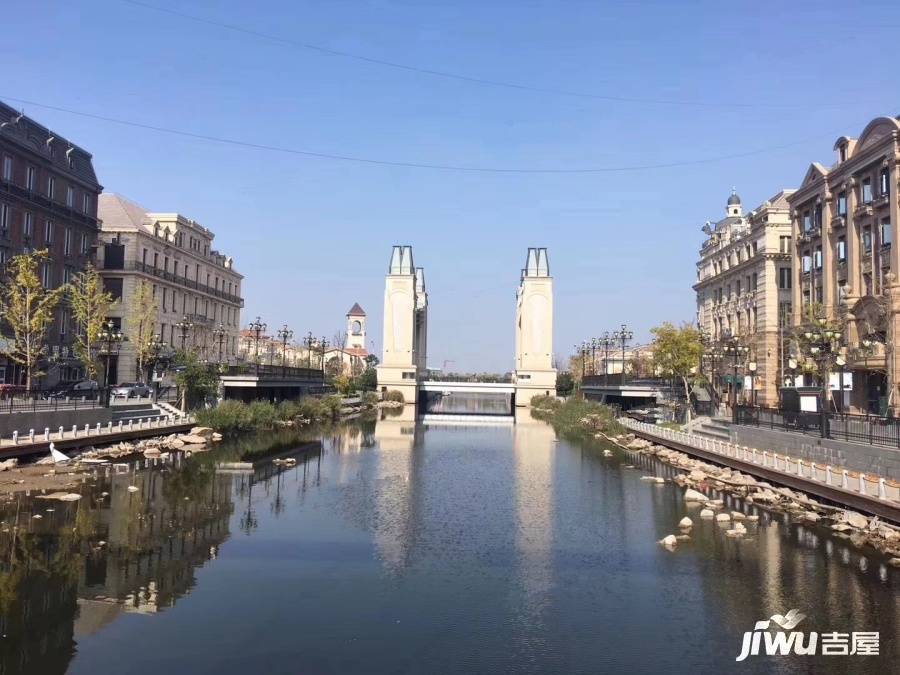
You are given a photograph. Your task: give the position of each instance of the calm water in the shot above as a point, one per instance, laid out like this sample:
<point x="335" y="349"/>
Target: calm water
<point x="404" y="547"/>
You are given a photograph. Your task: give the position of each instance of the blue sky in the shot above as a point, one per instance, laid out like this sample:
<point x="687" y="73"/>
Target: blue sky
<point x="313" y="236"/>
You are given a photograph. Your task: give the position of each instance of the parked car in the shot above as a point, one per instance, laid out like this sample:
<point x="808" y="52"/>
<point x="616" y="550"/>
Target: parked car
<point x="85" y="388"/>
<point x="130" y="390"/>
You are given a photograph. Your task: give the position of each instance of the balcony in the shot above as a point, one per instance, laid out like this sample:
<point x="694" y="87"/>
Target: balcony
<point x="40" y="201"/>
<point x="863" y="210"/>
<point x="134" y="266"/>
<point x="882" y="200"/>
<point x="838" y="223"/>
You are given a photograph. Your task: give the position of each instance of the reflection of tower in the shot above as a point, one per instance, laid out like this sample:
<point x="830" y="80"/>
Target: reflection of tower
<point x="535" y="374"/>
<point x="356" y="328"/>
<point x="403" y="332"/>
<point x="534" y="452"/>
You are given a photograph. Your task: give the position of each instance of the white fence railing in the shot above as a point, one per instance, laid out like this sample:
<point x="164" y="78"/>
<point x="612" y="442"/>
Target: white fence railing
<point x="864" y="484"/>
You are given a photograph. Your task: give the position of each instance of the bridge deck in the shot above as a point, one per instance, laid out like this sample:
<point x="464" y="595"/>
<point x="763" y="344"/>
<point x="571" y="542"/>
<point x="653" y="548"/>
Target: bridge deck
<point x="468" y="387"/>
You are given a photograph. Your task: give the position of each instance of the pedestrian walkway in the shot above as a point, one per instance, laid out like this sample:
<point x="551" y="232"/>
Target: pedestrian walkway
<point x="874" y="494"/>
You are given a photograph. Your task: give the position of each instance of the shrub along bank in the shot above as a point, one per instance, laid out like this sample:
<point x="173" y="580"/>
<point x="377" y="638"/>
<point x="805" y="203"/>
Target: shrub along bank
<point x="235" y="416"/>
<point x="576" y="416"/>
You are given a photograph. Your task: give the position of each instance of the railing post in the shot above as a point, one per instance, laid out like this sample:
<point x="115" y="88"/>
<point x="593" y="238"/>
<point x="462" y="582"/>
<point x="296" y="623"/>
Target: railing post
<point x="845" y="479"/>
<point x="31" y="435"/>
<point x="46" y="433"/>
<point x="15" y="437"/>
<point x="74" y="431"/>
<point x="882" y="489"/>
<point x="828" y="474"/>
<point x="120" y="425"/>
<point x="87" y="429"/>
<point x="862" y="483"/>
<point x="60" y="432"/>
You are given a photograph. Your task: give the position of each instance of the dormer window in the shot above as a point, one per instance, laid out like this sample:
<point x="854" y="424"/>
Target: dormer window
<point x="842" y="152"/>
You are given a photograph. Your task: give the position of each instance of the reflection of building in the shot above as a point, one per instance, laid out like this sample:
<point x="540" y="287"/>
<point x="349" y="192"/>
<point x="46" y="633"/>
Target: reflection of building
<point x="158" y="535"/>
<point x="48" y="200"/>
<point x="189" y="280"/>
<point x="845" y="263"/>
<point x="743" y="284"/>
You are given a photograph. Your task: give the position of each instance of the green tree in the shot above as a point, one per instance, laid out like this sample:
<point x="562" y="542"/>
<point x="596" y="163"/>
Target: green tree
<point x="565" y="383"/>
<point x="140" y="324"/>
<point x="677" y="352"/>
<point x="89" y="304"/>
<point x="196" y="380"/>
<point x="26" y="310"/>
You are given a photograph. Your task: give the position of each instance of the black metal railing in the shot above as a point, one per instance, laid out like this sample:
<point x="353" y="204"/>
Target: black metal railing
<point x="270" y="371"/>
<point x="868" y="429"/>
<point x="137" y="266"/>
<point x="616" y="380"/>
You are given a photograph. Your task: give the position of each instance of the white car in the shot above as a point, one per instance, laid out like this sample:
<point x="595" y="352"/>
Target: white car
<point x="131" y="390"/>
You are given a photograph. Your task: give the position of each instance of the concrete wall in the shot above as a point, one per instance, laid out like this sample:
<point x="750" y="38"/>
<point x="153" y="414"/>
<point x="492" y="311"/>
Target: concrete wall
<point x="852" y="456"/>
<point x="23" y="421"/>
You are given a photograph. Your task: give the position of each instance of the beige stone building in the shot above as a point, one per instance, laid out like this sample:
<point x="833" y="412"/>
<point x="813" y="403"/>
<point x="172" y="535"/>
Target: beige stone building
<point x="744" y="289"/>
<point x="190" y="280"/>
<point x="845" y="264"/>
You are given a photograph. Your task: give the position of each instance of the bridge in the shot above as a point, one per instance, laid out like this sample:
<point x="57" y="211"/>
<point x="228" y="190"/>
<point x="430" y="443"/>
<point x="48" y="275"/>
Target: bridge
<point x="626" y="394"/>
<point x="405" y="341"/>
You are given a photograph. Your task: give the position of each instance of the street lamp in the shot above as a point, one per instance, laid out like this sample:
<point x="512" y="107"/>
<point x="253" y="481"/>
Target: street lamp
<point x="623" y="336"/>
<point x="309" y="341"/>
<point x="737" y="351"/>
<point x="155" y="348"/>
<point x="257" y="328"/>
<point x="284" y="334"/>
<point x="184" y="327"/>
<point x="822" y="343"/>
<point x="110" y="340"/>
<point x="323" y="344"/>
<point x="607" y="343"/>
<point x="219" y="334"/>
<point x="593" y="356"/>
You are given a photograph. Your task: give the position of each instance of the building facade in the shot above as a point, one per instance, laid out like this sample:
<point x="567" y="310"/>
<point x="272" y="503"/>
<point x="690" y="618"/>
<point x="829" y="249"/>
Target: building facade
<point x="191" y="282"/>
<point x="744" y="290"/>
<point x="845" y="264"/>
<point x="48" y="200"/>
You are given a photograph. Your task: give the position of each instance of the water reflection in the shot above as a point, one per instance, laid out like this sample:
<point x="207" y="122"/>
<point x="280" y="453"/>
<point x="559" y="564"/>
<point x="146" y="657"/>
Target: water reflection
<point x="416" y="546"/>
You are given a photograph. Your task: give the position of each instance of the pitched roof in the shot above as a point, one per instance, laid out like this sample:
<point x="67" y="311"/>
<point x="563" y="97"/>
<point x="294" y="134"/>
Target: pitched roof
<point x="356" y="310"/>
<point x="118" y="212"/>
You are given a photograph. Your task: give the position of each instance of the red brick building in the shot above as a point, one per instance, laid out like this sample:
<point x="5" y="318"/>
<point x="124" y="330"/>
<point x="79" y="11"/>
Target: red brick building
<point x="48" y="200"/>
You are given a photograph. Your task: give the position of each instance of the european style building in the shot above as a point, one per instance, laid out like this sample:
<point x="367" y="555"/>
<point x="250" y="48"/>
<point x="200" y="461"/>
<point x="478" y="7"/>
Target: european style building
<point x="744" y="290"/>
<point x="845" y="263"/>
<point x="192" y="282"/>
<point x="48" y="200"/>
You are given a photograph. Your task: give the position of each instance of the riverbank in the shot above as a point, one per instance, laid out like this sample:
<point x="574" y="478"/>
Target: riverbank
<point x="230" y="417"/>
<point x="576" y="417"/>
<point x="859" y="530"/>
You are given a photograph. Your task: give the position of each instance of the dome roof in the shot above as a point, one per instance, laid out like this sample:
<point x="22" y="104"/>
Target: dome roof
<point x="734" y="199"/>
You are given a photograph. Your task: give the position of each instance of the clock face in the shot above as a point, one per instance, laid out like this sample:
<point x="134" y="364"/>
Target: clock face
<point x="356" y="328"/>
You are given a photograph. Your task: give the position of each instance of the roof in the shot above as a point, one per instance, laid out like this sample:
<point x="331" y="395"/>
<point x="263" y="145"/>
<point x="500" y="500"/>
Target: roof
<point x="356" y="310"/>
<point x="734" y="198"/>
<point x="117" y="212"/>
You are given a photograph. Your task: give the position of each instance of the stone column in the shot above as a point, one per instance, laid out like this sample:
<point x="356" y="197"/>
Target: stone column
<point x="827" y="277"/>
<point x="796" y="270"/>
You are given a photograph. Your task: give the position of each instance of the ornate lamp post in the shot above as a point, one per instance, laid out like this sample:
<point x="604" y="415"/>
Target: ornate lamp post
<point x="309" y="341"/>
<point x="583" y="351"/>
<point x="607" y="343"/>
<point x="184" y="327"/>
<point x="593" y="356"/>
<point x="257" y="328"/>
<point x="822" y="343"/>
<point x="623" y="336"/>
<point x="156" y="347"/>
<point x="110" y="340"/>
<point x="737" y="351"/>
<point x="323" y="345"/>
<point x="219" y="334"/>
<point x="284" y="334"/>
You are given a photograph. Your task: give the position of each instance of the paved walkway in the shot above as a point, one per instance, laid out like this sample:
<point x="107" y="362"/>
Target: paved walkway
<point x="874" y="494"/>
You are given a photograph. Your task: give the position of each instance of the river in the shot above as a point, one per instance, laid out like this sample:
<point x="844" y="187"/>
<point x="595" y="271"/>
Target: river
<point x="448" y="545"/>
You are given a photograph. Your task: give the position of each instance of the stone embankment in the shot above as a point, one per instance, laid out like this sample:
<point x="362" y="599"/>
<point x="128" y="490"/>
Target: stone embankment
<point x="859" y="530"/>
<point x="47" y="474"/>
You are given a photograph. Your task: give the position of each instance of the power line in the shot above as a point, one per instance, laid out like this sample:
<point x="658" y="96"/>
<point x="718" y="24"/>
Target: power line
<point x="412" y="165"/>
<point x="469" y="78"/>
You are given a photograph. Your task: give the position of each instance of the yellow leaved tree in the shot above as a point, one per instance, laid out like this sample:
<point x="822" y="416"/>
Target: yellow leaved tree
<point x="89" y="304"/>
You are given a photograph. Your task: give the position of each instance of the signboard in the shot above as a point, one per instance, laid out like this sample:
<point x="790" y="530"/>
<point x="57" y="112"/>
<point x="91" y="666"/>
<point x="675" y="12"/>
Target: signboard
<point x="809" y="403"/>
<point x="834" y="381"/>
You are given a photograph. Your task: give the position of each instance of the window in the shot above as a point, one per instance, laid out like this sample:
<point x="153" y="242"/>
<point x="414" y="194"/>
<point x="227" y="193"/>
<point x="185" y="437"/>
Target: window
<point x="67" y="242"/>
<point x="867" y="191"/>
<point x="48" y="232"/>
<point x="144" y="257"/>
<point x="818" y="257"/>
<point x="842" y="249"/>
<point x="807" y="222"/>
<point x="884" y="188"/>
<point x="28" y="225"/>
<point x="70" y="196"/>
<point x="4" y="218"/>
<point x="85" y="243"/>
<point x="784" y="278"/>
<point x="63" y="322"/>
<point x="164" y="297"/>
<point x="738" y="287"/>
<point x="85" y="203"/>
<point x="46" y="275"/>
<point x="51" y="187"/>
<point x="784" y="244"/>
<point x="755" y="247"/>
<point x="842" y="204"/>
<point x="886" y="233"/>
<point x="818" y="215"/>
<point x="867" y="239"/>
<point x="806" y="262"/>
<point x="30" y="178"/>
<point x="7" y="169"/>
<point x="155" y="260"/>
<point x="113" y="286"/>
<point x="754" y="281"/>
